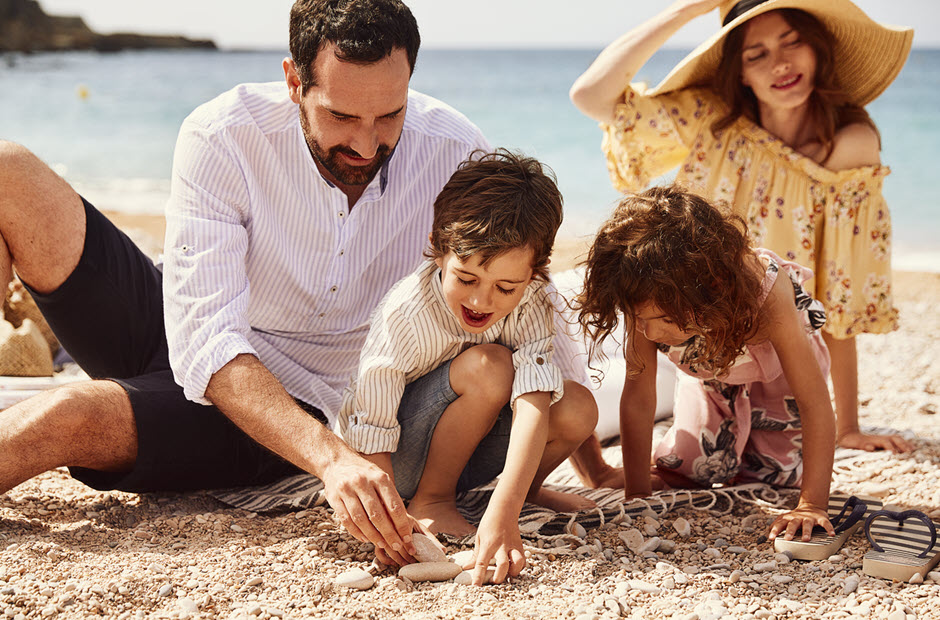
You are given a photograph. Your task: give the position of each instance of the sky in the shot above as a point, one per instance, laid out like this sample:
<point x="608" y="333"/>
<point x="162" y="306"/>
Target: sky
<point x="446" y="23"/>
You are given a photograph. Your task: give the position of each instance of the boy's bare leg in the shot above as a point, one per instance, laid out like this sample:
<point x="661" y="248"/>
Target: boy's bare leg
<point x="482" y="379"/>
<point x="571" y="421"/>
<point x="88" y="424"/>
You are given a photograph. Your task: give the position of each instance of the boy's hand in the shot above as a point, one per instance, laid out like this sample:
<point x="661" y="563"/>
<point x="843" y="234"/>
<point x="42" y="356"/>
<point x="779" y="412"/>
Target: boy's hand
<point x="497" y="539"/>
<point x="804" y="516"/>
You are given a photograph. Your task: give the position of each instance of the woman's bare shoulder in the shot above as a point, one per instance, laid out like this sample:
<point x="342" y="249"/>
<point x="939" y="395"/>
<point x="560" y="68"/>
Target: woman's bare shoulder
<point x="854" y="146"/>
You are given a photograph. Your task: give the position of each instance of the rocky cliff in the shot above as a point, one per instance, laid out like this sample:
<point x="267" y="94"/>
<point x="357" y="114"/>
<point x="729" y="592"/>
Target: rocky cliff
<point x="25" y="27"/>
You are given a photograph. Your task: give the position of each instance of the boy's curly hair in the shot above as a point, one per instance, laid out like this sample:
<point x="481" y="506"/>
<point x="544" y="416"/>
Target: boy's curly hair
<point x="673" y="248"/>
<point x="496" y="202"/>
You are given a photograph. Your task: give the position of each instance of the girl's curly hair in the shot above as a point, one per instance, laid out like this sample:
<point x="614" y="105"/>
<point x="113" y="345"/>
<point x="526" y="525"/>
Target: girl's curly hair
<point x="673" y="248"/>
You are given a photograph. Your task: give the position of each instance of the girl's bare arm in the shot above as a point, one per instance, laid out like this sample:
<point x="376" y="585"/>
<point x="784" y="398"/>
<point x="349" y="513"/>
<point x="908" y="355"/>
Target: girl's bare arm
<point x="788" y="336"/>
<point x="637" y="413"/>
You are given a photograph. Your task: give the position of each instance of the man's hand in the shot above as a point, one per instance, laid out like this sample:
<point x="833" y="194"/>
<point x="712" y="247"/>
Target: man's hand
<point x="870" y="442"/>
<point x="804" y="516"/>
<point x="497" y="538"/>
<point x="365" y="501"/>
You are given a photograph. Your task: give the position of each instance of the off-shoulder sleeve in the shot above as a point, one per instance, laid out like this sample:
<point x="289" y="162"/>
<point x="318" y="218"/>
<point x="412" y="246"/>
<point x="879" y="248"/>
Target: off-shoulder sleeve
<point x="652" y="135"/>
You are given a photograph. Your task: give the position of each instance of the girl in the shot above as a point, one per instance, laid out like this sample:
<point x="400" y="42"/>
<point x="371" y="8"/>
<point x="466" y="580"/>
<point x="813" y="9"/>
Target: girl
<point x="768" y="115"/>
<point x="752" y="402"/>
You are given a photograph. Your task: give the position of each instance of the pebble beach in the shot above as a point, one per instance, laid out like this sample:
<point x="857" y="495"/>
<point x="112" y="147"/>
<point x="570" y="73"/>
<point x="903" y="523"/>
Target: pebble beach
<point x="67" y="551"/>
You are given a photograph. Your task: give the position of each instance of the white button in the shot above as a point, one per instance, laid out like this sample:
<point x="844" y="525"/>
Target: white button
<point x="341" y="252"/>
<point x="341" y="214"/>
<point x="333" y="289"/>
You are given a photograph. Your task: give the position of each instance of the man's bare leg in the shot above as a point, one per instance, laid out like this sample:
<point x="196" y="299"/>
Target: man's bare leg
<point x="88" y="424"/>
<point x="42" y="221"/>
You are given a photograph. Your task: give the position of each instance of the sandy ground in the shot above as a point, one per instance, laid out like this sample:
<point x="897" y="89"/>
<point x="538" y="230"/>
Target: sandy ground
<point x="67" y="551"/>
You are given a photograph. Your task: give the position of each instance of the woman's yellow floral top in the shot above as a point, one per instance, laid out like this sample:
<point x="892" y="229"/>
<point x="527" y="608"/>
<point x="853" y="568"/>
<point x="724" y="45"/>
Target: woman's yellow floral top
<point x="836" y="223"/>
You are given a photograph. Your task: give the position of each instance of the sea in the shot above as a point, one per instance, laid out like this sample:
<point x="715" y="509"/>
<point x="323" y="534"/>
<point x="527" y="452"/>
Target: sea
<point x="108" y="122"/>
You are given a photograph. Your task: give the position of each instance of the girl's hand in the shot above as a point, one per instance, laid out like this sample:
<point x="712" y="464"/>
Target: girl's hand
<point x="863" y="441"/>
<point x="499" y="540"/>
<point x="804" y="515"/>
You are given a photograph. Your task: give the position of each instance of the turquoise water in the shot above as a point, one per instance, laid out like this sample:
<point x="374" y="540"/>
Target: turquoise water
<point x="116" y="143"/>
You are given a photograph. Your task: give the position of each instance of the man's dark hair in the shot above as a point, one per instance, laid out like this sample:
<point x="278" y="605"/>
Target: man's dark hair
<point x="364" y="32"/>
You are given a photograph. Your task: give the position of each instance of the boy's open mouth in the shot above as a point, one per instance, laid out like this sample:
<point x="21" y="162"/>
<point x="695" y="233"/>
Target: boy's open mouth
<point x="475" y="319"/>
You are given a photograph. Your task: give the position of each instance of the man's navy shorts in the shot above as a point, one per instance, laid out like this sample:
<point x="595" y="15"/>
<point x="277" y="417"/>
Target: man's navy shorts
<point x="108" y="315"/>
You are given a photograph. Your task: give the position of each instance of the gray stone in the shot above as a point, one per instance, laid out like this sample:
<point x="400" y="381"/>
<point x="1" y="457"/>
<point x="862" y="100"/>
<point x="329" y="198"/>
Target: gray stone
<point x="633" y="539"/>
<point x="426" y="550"/>
<point x="850" y="584"/>
<point x="356" y="579"/>
<point x="430" y="571"/>
<point x="682" y="527"/>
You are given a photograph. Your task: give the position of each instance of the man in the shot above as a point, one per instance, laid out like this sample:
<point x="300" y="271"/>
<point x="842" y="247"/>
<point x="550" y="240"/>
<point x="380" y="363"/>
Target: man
<point x="292" y="212"/>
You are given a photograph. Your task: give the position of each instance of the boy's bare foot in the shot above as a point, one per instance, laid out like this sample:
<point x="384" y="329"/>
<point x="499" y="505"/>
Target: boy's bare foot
<point x="559" y="501"/>
<point x="441" y="517"/>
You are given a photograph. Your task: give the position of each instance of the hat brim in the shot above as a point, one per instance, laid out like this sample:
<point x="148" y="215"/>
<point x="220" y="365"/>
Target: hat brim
<point x="867" y="55"/>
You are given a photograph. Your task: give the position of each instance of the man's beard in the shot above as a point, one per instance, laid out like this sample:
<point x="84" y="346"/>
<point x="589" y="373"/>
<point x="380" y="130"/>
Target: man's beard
<point x="330" y="159"/>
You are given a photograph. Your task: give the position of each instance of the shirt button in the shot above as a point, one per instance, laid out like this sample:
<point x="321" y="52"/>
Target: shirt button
<point x="322" y="314"/>
<point x="332" y="289"/>
<point x="341" y="214"/>
<point x="341" y="252"/>
<point x="539" y="361"/>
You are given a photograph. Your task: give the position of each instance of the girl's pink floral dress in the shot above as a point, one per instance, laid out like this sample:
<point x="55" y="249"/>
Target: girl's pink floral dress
<point x="745" y="424"/>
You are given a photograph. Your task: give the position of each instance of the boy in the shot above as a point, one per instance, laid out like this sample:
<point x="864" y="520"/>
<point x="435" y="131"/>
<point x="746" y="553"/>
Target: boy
<point x="460" y="352"/>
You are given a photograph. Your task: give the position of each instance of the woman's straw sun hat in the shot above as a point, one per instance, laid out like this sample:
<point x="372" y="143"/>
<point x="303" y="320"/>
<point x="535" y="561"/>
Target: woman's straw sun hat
<point x="867" y="55"/>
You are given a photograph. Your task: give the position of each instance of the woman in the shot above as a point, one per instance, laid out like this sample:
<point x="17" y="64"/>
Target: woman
<point x="767" y="115"/>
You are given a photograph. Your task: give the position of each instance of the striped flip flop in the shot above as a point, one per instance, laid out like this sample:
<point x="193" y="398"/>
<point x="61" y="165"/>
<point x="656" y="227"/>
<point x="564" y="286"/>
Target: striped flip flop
<point x="846" y="513"/>
<point x="903" y="544"/>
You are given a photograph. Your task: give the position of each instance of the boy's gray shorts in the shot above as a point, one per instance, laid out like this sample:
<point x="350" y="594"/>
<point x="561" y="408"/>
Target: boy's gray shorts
<point x="421" y="407"/>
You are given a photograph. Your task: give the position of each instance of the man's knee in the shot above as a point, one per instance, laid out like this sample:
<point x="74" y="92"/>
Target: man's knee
<point x="98" y="414"/>
<point x="574" y="417"/>
<point x="15" y="160"/>
<point x="485" y="370"/>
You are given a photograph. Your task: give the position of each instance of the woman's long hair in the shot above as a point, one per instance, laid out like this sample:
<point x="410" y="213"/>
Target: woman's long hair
<point x="673" y="248"/>
<point x="829" y="108"/>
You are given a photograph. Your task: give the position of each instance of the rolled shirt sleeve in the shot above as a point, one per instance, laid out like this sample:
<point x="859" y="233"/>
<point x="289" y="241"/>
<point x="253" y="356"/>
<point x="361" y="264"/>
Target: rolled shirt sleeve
<point x="532" y="339"/>
<point x="205" y="285"/>
<point x="369" y="421"/>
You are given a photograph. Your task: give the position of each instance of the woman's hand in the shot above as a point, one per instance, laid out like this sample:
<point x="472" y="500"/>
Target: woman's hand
<point x="695" y="8"/>
<point x="599" y="89"/>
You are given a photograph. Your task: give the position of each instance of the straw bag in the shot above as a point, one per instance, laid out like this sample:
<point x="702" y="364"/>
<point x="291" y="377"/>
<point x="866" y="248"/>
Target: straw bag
<point x="23" y="351"/>
<point x="26" y="341"/>
<point x="19" y="306"/>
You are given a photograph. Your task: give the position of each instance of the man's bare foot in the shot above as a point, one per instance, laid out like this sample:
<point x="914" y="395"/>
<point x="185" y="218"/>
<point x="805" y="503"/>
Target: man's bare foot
<point x="559" y="501"/>
<point x="440" y="516"/>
